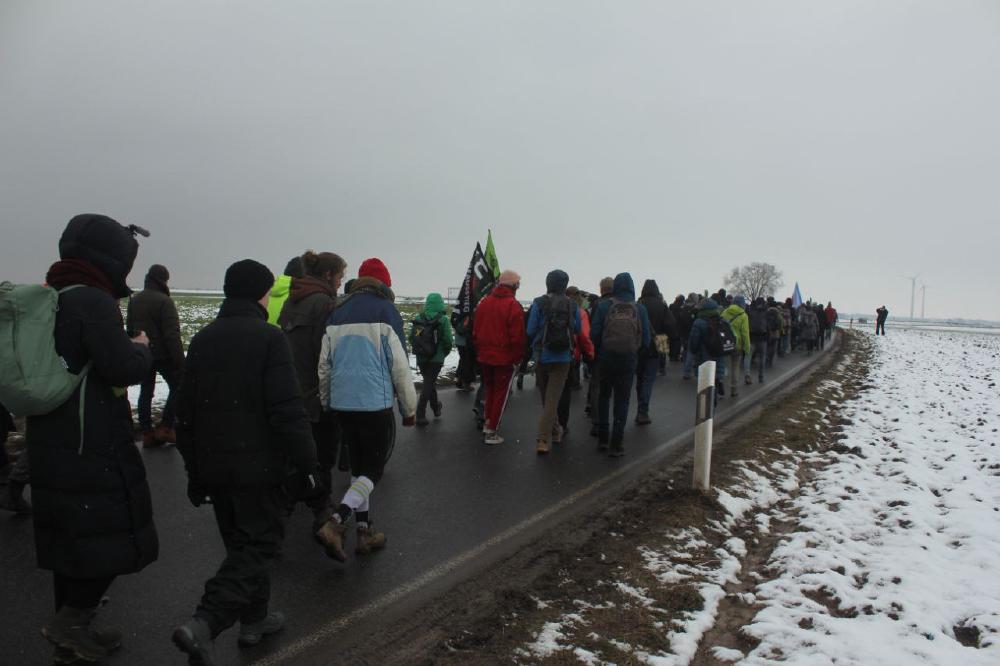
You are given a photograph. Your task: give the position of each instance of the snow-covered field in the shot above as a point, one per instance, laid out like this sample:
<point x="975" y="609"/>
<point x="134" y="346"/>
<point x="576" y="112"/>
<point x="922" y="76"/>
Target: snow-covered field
<point x="886" y="547"/>
<point x="907" y="538"/>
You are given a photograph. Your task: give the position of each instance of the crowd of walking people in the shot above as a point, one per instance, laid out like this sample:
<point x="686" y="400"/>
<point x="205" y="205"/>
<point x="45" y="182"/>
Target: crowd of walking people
<point x="294" y="379"/>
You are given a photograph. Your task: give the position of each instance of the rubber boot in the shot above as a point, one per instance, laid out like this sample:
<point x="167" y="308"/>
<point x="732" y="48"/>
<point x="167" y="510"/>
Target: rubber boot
<point x="194" y="638"/>
<point x="331" y="535"/>
<point x="542" y="448"/>
<point x="369" y="539"/>
<point x="252" y="634"/>
<point x="70" y="631"/>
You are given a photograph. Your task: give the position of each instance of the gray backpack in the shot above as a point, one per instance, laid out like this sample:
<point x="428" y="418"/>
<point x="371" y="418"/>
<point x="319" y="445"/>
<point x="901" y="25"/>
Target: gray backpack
<point x="622" y="335"/>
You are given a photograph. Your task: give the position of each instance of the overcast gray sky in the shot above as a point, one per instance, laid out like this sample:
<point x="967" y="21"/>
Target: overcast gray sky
<point x="849" y="142"/>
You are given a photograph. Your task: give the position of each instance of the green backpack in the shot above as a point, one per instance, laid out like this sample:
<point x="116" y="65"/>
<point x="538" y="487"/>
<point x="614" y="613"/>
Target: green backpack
<point x="34" y="379"/>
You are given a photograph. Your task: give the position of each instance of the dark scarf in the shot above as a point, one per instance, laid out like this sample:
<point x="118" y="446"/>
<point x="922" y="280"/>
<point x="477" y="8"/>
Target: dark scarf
<point x="304" y="287"/>
<point x="77" y="271"/>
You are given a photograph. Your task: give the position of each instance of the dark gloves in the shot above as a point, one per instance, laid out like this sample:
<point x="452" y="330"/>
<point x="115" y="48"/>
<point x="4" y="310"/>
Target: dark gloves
<point x="306" y="485"/>
<point x="198" y="494"/>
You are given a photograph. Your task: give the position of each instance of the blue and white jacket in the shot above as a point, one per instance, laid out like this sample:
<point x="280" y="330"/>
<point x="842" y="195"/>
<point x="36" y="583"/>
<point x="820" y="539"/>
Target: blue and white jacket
<point x="363" y="365"/>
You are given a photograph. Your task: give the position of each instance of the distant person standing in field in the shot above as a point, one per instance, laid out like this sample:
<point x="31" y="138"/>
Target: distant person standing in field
<point x="364" y="372"/>
<point x="153" y="312"/>
<point x="553" y="323"/>
<point x="241" y="428"/>
<point x="431" y="340"/>
<point x="279" y="292"/>
<point x="500" y="341"/>
<point x="881" y="315"/>
<point x="311" y="299"/>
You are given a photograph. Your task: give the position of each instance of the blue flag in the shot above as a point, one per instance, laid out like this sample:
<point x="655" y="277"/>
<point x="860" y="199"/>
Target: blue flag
<point x="796" y="296"/>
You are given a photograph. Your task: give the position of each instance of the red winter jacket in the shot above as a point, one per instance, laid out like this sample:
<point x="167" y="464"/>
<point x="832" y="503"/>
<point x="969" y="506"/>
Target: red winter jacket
<point x="498" y="331"/>
<point x="583" y="342"/>
<point x="831" y="316"/>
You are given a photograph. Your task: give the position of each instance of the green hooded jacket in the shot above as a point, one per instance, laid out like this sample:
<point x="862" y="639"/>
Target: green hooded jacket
<point x="279" y="294"/>
<point x="434" y="308"/>
<point x="740" y="322"/>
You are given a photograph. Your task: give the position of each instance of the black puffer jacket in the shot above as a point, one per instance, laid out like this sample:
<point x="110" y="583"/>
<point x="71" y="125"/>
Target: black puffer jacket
<point x="93" y="514"/>
<point x="241" y="421"/>
<point x="303" y="320"/>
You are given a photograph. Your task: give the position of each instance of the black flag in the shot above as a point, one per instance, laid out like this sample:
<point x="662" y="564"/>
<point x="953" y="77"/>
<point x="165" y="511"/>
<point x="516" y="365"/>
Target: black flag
<point x="478" y="282"/>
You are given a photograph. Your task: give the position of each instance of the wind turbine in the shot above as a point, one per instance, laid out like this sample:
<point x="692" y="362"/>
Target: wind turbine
<point x="913" y="291"/>
<point x="923" y="299"/>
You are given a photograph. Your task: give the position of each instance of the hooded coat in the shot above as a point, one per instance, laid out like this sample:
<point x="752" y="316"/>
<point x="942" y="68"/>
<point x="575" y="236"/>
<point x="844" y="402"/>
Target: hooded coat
<point x="303" y="321"/>
<point x="623" y="290"/>
<point x="740" y="323"/>
<point x="498" y="328"/>
<point x="435" y="310"/>
<point x="555" y="283"/>
<point x="153" y="311"/>
<point x="93" y="514"/>
<point x="278" y="295"/>
<point x="707" y="309"/>
<point x="661" y="319"/>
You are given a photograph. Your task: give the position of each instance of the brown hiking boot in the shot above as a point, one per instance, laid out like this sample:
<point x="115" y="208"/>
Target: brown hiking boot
<point x="369" y="539"/>
<point x="331" y="535"/>
<point x="166" y="435"/>
<point x="543" y="447"/>
<point x="149" y="439"/>
<point x="557" y="433"/>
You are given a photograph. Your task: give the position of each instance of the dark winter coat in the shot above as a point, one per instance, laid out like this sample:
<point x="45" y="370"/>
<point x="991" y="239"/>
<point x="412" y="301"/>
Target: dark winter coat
<point x="623" y="290"/>
<point x="303" y="321"/>
<point x="92" y="509"/>
<point x="700" y="331"/>
<point x="661" y="319"/>
<point x="153" y="311"/>
<point x="241" y="422"/>
<point x="808" y="324"/>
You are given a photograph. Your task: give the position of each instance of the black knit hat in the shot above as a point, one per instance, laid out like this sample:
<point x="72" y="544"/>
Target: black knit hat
<point x="248" y="279"/>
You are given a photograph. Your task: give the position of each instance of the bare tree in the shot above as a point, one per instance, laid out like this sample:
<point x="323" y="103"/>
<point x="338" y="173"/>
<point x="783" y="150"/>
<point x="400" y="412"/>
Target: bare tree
<point x="753" y="280"/>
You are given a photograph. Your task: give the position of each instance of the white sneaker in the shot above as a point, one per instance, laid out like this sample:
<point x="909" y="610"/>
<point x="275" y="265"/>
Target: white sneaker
<point x="491" y="437"/>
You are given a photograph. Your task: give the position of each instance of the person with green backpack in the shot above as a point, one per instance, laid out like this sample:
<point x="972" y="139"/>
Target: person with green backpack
<point x="431" y="340"/>
<point x="65" y="361"/>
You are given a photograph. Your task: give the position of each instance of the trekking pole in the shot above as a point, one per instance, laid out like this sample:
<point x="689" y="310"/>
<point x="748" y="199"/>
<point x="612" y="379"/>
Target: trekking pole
<point x="704" y="414"/>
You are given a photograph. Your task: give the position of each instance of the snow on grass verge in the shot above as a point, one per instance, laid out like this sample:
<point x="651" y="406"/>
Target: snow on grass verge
<point x="896" y="557"/>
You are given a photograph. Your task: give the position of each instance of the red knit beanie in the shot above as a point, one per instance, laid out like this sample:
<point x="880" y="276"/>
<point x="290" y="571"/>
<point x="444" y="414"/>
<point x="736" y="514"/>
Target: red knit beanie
<point x="374" y="268"/>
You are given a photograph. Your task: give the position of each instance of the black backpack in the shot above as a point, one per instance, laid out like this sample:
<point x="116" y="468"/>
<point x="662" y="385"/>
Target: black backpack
<point x="426" y="335"/>
<point x="758" y="320"/>
<point x="720" y="339"/>
<point x="774" y="321"/>
<point x="558" y="312"/>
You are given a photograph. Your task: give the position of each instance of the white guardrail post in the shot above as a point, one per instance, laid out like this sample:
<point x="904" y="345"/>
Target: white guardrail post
<point x="704" y="413"/>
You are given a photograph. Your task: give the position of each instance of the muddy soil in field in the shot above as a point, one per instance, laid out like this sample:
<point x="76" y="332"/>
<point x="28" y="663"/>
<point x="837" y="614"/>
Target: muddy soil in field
<point x="493" y="617"/>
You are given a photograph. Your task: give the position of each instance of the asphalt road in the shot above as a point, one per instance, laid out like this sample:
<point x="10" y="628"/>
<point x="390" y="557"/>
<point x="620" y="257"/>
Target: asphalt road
<point x="448" y="504"/>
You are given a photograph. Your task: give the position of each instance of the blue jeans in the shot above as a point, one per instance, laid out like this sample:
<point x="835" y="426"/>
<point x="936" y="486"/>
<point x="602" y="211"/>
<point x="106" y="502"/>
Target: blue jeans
<point x="644" y="379"/>
<point x="688" y="362"/>
<point x="616" y="378"/>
